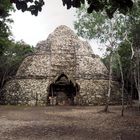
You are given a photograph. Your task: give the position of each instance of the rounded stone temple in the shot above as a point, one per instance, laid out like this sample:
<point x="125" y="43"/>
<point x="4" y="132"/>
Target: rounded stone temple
<point x="63" y="70"/>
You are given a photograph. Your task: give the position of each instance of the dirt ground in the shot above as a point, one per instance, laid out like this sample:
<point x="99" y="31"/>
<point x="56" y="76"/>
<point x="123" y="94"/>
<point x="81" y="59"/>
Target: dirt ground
<point x="68" y="123"/>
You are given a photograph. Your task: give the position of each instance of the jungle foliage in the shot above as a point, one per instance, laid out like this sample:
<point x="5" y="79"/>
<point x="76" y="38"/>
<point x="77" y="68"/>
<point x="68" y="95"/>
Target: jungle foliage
<point x="11" y="52"/>
<point x="109" y="6"/>
<point x="120" y="36"/>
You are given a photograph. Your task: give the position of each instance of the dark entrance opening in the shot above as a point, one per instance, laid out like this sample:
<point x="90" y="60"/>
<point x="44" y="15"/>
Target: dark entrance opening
<point x="62" y="91"/>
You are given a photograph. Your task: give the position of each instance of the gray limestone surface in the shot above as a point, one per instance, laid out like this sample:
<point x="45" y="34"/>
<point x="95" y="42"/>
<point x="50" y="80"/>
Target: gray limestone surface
<point x="63" y="54"/>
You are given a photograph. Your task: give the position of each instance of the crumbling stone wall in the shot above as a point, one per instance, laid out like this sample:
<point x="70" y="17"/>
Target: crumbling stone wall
<point x="93" y="92"/>
<point x="35" y="65"/>
<point x="27" y="91"/>
<point x="62" y="52"/>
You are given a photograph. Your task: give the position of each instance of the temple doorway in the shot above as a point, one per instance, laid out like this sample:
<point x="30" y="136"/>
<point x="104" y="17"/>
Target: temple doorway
<point x="62" y="91"/>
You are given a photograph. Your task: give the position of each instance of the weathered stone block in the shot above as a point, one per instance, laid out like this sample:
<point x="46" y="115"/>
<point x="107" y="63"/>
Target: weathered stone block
<point x="61" y="64"/>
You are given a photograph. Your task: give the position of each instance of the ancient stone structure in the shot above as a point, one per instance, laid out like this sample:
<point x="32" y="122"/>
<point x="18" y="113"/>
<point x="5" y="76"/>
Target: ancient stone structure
<point x="63" y="70"/>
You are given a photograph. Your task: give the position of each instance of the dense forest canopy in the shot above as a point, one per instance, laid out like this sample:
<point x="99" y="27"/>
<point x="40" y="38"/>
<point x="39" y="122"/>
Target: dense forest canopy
<point x="109" y="6"/>
<point x="34" y="6"/>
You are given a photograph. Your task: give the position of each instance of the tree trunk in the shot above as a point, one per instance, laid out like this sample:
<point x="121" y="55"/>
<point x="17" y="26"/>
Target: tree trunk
<point x="137" y="78"/>
<point x="139" y="97"/>
<point x="122" y="88"/>
<point x="2" y="82"/>
<point x="131" y="74"/>
<point x="109" y="84"/>
<point x="3" y="79"/>
<point x="138" y="83"/>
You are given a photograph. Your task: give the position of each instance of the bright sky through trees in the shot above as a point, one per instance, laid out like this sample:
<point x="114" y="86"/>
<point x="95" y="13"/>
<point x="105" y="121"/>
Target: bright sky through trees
<point x="32" y="29"/>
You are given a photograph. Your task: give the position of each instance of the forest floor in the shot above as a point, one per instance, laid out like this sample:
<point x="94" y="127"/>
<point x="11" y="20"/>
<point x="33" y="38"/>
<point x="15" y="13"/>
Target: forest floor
<point x="68" y="123"/>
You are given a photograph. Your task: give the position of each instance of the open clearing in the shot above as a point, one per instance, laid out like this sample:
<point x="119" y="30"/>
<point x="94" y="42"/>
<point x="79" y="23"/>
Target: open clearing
<point x="68" y="123"/>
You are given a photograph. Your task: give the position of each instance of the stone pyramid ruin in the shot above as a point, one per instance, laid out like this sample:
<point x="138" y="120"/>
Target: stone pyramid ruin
<point x="63" y="70"/>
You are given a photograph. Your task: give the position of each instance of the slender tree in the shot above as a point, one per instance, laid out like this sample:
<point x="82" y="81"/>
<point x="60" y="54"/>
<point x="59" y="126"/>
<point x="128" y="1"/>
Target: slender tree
<point x="136" y="59"/>
<point x="119" y="31"/>
<point x="106" y="30"/>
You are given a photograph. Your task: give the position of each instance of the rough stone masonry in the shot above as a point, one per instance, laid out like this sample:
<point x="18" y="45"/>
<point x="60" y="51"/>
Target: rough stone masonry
<point x="63" y="70"/>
